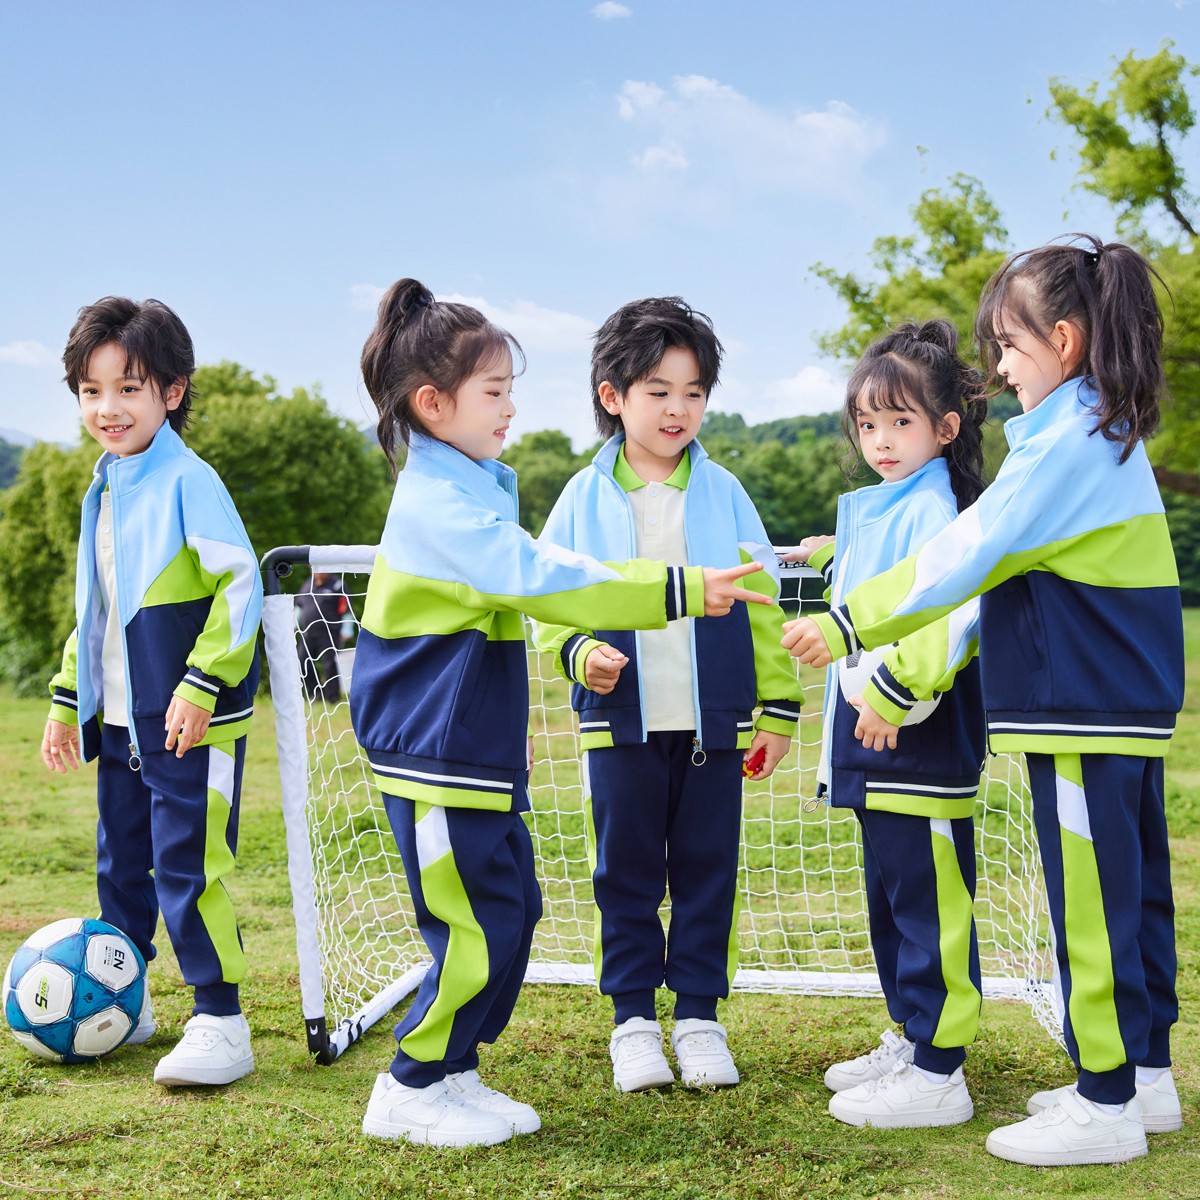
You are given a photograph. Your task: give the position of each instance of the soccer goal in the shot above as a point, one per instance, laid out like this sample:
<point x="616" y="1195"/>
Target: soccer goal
<point x="802" y="919"/>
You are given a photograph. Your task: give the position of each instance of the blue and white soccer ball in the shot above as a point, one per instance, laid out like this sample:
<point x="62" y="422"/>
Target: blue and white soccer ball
<point x="74" y="990"/>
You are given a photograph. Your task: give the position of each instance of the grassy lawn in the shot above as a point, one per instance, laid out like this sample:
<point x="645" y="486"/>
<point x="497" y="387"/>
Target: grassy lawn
<point x="292" y="1129"/>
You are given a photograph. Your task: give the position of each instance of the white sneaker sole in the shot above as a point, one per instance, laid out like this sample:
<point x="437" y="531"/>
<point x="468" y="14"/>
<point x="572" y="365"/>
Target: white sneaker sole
<point x="712" y="1079"/>
<point x="169" y="1076"/>
<point x="644" y="1082"/>
<point x="424" y="1136"/>
<point x="1124" y="1152"/>
<point x="926" y="1120"/>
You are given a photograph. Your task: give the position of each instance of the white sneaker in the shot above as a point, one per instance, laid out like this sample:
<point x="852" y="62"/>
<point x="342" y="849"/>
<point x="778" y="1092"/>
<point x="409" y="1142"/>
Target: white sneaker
<point x="430" y="1116"/>
<point x="637" y="1055"/>
<point x="904" y="1099"/>
<point x="1070" y="1133"/>
<point x="1161" y="1112"/>
<point x="213" y="1050"/>
<point x="892" y="1049"/>
<point x="145" y="1029"/>
<point x="704" y="1059"/>
<point x="477" y="1094"/>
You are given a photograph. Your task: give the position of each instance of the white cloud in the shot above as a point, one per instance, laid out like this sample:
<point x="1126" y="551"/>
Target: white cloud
<point x="637" y="97"/>
<point x="667" y="156"/>
<point x="365" y="297"/>
<point x="810" y="391"/>
<point x="538" y="329"/>
<point x="611" y="11"/>
<point x="715" y="133"/>
<point x="27" y="354"/>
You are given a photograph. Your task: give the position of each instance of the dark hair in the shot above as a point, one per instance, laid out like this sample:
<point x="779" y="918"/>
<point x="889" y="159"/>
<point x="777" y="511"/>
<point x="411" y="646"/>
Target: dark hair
<point x="156" y="343"/>
<point x="632" y="342"/>
<point x="1105" y="290"/>
<point x="917" y="367"/>
<point x="419" y="340"/>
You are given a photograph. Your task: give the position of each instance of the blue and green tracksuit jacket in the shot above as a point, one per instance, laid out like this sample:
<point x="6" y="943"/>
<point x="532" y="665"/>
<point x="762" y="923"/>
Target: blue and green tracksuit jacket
<point x="189" y="599"/>
<point x="934" y="770"/>
<point x="736" y="661"/>
<point x="1081" y="630"/>
<point x="440" y="699"/>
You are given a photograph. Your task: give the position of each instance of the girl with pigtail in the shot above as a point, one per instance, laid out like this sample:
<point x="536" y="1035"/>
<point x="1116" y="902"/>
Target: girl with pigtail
<point x="903" y="738"/>
<point x="1081" y="647"/>
<point x="440" y="700"/>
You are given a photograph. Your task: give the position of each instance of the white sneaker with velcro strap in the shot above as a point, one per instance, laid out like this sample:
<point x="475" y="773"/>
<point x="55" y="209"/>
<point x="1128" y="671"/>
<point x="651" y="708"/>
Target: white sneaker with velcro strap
<point x="636" y="1050"/>
<point x="1072" y="1133"/>
<point x="703" y="1057"/>
<point x="1161" y="1111"/>
<point x="892" y="1049"/>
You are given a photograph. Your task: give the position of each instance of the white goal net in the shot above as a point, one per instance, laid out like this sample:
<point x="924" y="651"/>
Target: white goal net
<point x="803" y="918"/>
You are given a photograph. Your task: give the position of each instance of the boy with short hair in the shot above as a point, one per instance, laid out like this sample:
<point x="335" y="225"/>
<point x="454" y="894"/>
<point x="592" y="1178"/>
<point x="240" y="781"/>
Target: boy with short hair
<point x="666" y="717"/>
<point x="160" y="674"/>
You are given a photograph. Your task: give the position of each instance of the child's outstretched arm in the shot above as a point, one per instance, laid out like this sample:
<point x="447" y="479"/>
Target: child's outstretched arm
<point x="722" y="588"/>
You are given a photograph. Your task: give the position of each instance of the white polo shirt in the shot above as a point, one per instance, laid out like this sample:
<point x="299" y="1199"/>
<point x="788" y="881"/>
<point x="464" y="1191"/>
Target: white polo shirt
<point x="668" y="683"/>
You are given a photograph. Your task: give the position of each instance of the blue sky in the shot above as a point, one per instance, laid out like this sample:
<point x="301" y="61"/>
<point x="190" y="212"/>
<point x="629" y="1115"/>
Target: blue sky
<point x="268" y="168"/>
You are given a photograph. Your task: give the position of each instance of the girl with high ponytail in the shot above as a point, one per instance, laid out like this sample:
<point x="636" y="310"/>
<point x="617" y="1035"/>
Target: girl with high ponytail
<point x="440" y="700"/>
<point x="903" y="737"/>
<point x="1081" y="644"/>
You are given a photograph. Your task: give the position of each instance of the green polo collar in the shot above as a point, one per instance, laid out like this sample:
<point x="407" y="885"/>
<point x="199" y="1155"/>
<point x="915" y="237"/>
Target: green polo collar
<point x="630" y="481"/>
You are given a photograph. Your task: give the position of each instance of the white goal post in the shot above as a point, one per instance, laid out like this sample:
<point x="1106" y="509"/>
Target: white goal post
<point x="802" y="919"/>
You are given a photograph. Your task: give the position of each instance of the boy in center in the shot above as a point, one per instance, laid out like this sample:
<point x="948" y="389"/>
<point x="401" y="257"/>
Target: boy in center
<point x="666" y="717"/>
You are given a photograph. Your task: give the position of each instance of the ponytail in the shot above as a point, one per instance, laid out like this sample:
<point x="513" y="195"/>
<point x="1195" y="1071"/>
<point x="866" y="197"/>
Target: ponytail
<point x="1124" y="354"/>
<point x="1107" y="292"/>
<point x="419" y="340"/>
<point x="917" y="367"/>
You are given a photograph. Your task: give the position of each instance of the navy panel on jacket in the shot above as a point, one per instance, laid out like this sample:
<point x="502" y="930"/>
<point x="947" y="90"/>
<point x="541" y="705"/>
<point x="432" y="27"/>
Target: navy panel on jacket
<point x="1102" y="637"/>
<point x="158" y="640"/>
<point x="448" y="697"/>
<point x="724" y="680"/>
<point x="947" y="749"/>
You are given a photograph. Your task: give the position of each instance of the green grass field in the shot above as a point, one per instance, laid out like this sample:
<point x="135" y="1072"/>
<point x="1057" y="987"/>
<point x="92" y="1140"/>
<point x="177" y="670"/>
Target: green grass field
<point x="292" y="1129"/>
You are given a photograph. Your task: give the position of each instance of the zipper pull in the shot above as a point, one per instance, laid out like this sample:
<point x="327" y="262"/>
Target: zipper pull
<point x="135" y="759"/>
<point x="699" y="758"/>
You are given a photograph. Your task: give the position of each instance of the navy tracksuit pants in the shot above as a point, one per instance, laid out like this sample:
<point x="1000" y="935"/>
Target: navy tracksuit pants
<point x="919" y="876"/>
<point x="1102" y="834"/>
<point x="475" y="894"/>
<point x="663" y="822"/>
<point x="177" y="818"/>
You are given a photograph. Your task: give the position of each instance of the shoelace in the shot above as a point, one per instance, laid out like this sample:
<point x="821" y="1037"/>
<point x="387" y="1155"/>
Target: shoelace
<point x="885" y="1081"/>
<point x="705" y="1041"/>
<point x="889" y="1045"/>
<point x="640" y="1043"/>
<point x="200" y="1037"/>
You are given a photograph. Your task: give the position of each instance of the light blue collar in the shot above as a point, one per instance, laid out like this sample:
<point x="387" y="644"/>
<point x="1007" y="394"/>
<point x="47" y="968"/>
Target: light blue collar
<point x="1075" y="395"/>
<point x="133" y="469"/>
<point x="430" y="457"/>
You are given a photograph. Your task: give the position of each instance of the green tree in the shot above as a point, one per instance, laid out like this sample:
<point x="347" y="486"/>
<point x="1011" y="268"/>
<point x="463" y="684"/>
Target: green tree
<point x="795" y="487"/>
<point x="39" y="533"/>
<point x="10" y="460"/>
<point x="298" y="473"/>
<point x="938" y="271"/>
<point x="544" y="461"/>
<point x="1128" y="153"/>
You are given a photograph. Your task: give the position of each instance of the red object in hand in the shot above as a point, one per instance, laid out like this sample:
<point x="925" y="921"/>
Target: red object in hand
<point x="751" y="765"/>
